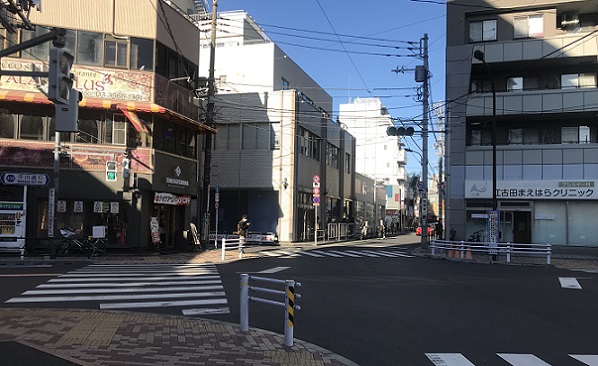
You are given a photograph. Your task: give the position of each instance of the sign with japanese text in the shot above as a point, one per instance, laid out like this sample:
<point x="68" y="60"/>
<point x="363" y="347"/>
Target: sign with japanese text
<point x="171" y="199"/>
<point x="534" y="189"/>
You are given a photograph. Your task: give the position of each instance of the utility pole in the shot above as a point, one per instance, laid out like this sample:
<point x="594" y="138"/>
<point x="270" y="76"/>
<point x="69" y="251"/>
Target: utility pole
<point x="205" y="199"/>
<point x="424" y="200"/>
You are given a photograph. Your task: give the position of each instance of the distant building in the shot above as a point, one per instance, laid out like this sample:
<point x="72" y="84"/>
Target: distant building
<point x="275" y="137"/>
<point x="377" y="155"/>
<point x="543" y="59"/>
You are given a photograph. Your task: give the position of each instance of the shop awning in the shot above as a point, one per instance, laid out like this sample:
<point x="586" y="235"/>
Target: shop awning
<point x="135" y="121"/>
<point x="40" y="98"/>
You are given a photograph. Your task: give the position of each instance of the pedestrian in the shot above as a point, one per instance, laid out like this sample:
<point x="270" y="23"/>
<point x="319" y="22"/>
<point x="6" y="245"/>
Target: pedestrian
<point x="439" y="230"/>
<point x="243" y="229"/>
<point x="382" y="229"/>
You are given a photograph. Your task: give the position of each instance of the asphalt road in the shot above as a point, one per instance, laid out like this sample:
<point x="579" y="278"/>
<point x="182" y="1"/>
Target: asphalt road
<point x="395" y="309"/>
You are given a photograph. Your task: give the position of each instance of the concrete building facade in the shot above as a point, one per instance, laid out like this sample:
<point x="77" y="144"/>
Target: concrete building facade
<point x="543" y="58"/>
<point x="275" y="138"/>
<point x="131" y="111"/>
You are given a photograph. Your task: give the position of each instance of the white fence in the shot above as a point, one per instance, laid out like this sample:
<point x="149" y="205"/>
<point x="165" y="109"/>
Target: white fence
<point x="464" y="249"/>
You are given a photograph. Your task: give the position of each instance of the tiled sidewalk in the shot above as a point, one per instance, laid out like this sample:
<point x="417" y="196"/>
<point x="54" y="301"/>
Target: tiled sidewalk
<point x="116" y="338"/>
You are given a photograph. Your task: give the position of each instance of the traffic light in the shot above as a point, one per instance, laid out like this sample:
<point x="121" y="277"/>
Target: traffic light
<point x="67" y="116"/>
<point x="60" y="80"/>
<point x="111" y="167"/>
<point x="399" y="131"/>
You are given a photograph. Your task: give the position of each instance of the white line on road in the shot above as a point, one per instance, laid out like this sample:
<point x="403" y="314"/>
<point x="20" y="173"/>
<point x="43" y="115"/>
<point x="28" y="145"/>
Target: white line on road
<point x="161" y="304"/>
<point x="569" y="282"/>
<point x="206" y="311"/>
<point x="398" y="254"/>
<point x="448" y="359"/>
<point x="344" y="253"/>
<point x="309" y="253"/>
<point x="139" y="274"/>
<point x="120" y="290"/>
<point x="522" y="359"/>
<point x="209" y="280"/>
<point x="112" y="279"/>
<point x="590" y="360"/>
<point x="327" y="253"/>
<point x="27" y="299"/>
<point x="274" y="270"/>
<point x="362" y="253"/>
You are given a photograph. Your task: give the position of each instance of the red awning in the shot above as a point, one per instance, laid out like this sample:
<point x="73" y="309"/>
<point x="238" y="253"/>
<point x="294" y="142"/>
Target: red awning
<point x="135" y="121"/>
<point x="31" y="97"/>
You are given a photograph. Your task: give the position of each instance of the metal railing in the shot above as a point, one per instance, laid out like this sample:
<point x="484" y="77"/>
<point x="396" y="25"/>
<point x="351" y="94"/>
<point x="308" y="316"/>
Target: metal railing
<point x="288" y="303"/>
<point x="232" y="244"/>
<point x="463" y="249"/>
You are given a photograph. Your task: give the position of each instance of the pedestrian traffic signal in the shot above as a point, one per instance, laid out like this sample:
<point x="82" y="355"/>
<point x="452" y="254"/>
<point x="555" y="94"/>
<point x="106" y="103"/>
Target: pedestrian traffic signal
<point x="126" y="168"/>
<point x="60" y="80"/>
<point x="111" y="167"/>
<point x="400" y="131"/>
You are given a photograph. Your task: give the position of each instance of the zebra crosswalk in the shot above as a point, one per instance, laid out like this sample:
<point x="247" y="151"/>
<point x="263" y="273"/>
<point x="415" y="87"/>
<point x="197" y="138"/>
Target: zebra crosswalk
<point x="388" y="252"/>
<point x="195" y="289"/>
<point x="514" y="359"/>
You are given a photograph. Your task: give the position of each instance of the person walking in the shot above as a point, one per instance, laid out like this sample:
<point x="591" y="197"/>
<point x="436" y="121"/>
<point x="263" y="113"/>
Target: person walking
<point x="439" y="230"/>
<point x="243" y="229"/>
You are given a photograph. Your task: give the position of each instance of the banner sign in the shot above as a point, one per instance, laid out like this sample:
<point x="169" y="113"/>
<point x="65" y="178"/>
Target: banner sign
<point x="534" y="189"/>
<point x="171" y="199"/>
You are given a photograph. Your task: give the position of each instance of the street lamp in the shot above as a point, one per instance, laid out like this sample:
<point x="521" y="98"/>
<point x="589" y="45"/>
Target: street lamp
<point x="479" y="55"/>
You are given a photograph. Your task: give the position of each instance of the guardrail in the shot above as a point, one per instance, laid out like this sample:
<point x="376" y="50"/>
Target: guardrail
<point x="288" y="303"/>
<point x="226" y="244"/>
<point x="463" y="249"/>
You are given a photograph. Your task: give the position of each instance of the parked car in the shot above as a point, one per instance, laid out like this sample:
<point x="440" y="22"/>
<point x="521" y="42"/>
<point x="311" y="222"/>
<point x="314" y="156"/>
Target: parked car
<point x="431" y="230"/>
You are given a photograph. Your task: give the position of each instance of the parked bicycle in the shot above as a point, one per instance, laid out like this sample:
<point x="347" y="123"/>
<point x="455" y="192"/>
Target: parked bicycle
<point x="91" y="247"/>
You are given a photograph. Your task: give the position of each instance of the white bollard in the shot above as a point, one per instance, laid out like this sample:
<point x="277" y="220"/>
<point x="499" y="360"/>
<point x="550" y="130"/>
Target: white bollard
<point x="223" y="249"/>
<point x="244" y="309"/>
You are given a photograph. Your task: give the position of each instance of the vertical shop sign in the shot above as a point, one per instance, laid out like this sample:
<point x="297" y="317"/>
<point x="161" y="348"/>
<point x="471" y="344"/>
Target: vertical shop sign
<point x="78" y="207"/>
<point x="114" y="207"/>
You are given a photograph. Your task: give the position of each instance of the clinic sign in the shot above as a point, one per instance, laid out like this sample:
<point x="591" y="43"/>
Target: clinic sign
<point x="534" y="189"/>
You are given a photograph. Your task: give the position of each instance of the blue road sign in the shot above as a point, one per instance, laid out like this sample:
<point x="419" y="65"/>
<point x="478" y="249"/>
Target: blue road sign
<point x="24" y="179"/>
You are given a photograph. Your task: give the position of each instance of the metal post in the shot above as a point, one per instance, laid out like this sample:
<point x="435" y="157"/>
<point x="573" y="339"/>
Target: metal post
<point x="508" y="252"/>
<point x="289" y="318"/>
<point x="424" y="220"/>
<point x="244" y="310"/>
<point x="208" y="137"/>
<point x="223" y="249"/>
<point x="461" y="247"/>
<point x="241" y="248"/>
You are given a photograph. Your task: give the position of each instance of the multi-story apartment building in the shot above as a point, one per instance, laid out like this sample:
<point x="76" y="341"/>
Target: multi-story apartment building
<point x="135" y="62"/>
<point x="377" y="155"/>
<point x="274" y="136"/>
<point x="543" y="58"/>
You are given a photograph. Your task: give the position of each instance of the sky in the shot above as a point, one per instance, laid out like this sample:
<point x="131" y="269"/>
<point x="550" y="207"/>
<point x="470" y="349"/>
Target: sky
<point x="350" y="48"/>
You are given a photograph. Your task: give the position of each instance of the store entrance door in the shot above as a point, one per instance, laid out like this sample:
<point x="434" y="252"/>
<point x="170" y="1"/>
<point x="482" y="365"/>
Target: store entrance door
<point x="522" y="231"/>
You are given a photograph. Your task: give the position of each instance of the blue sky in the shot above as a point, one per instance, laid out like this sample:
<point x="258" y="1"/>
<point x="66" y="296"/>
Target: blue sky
<point x="359" y="66"/>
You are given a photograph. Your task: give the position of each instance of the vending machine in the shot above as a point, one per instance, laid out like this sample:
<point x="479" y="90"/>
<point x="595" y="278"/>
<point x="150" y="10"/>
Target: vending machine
<point x="12" y="227"/>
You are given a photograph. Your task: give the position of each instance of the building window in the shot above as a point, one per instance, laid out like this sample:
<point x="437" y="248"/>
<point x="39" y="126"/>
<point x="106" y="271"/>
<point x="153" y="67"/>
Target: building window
<point x="285" y="85"/>
<point x="481" y="86"/>
<point x="89" y="48"/>
<point x="529" y="26"/>
<point x="332" y="155"/>
<point x="31" y="128"/>
<point x="142" y="54"/>
<point x="482" y="31"/>
<point x="115" y="53"/>
<point x="576" y="81"/>
<point x="274" y="136"/>
<point x="347" y="163"/>
<point x="118" y="127"/>
<point x="7" y="124"/>
<point x="515" y="83"/>
<point x="39" y="52"/>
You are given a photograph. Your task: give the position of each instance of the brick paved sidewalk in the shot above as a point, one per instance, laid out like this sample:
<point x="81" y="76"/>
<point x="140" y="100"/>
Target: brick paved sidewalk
<point x="111" y="338"/>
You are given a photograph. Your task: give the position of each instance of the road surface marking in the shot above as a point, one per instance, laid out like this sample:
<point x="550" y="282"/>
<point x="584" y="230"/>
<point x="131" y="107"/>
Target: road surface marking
<point x="448" y="359"/>
<point x="522" y="359"/>
<point x="138" y="274"/>
<point x="206" y="311"/>
<point x="327" y="253"/>
<point x="121" y="290"/>
<point x="362" y="253"/>
<point x="160" y="304"/>
<point x="215" y="280"/>
<point x="590" y="360"/>
<point x="176" y="295"/>
<point x="312" y="254"/>
<point x="380" y="252"/>
<point x="344" y="253"/>
<point x="569" y="282"/>
<point x="274" y="270"/>
<point x="398" y="254"/>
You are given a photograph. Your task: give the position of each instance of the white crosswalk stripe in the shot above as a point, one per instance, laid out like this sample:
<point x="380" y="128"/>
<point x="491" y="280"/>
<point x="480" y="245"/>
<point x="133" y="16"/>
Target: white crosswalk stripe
<point x="196" y="289"/>
<point x="373" y="252"/>
<point x="514" y="359"/>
